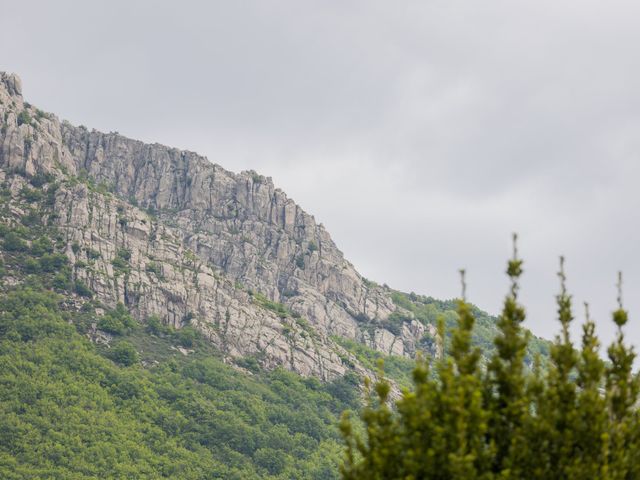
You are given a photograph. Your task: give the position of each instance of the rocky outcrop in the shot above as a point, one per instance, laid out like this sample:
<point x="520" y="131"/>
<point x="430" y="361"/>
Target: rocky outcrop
<point x="169" y="233"/>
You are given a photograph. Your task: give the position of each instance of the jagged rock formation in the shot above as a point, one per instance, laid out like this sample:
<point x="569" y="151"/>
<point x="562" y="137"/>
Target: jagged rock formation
<point x="170" y="234"/>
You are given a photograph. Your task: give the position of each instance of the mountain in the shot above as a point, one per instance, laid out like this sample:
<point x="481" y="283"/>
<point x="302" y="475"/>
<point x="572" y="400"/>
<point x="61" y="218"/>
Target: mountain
<point x="168" y="233"/>
<point x="161" y="316"/>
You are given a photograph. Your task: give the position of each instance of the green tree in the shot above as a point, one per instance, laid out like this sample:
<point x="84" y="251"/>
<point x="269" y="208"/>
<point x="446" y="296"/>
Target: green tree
<point x="573" y="417"/>
<point x="505" y="387"/>
<point x="622" y="398"/>
<point x="124" y="353"/>
<point x="440" y="428"/>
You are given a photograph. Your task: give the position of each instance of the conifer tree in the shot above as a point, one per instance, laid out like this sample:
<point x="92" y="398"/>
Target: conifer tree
<point x="558" y="407"/>
<point x="590" y="456"/>
<point x="440" y="428"/>
<point x="461" y="383"/>
<point x="578" y="418"/>
<point x="453" y="434"/>
<point x="622" y="397"/>
<point x="506" y="392"/>
<point x="377" y="457"/>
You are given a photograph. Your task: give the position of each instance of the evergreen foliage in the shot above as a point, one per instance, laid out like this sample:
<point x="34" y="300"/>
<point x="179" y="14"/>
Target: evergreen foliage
<point x="576" y="419"/>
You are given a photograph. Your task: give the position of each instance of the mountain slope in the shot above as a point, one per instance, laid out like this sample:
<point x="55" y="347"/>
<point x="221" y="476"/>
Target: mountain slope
<point x="151" y="304"/>
<point x="168" y="233"/>
<point x="66" y="412"/>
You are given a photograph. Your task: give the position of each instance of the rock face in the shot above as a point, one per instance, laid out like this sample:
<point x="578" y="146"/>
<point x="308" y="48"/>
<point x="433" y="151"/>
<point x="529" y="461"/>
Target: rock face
<point x="168" y="233"/>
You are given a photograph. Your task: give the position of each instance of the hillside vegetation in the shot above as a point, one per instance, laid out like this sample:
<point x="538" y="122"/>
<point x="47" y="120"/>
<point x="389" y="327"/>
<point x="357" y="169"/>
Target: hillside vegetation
<point x="71" y="410"/>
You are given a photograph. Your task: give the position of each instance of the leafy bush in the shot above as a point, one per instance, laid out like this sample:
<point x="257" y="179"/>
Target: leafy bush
<point x="117" y="321"/>
<point x="394" y="322"/>
<point x="53" y="262"/>
<point x="31" y="265"/>
<point x="62" y="281"/>
<point x="81" y="289"/>
<point x="13" y="243"/>
<point x="24" y="118"/>
<point x="124" y="254"/>
<point x="31" y="218"/>
<point x="186" y="336"/>
<point x="281" y="310"/>
<point x="41" y="246"/>
<point x="124" y="353"/>
<point x="251" y="363"/>
<point x="120" y="264"/>
<point x="32" y="195"/>
<point x="155" y="268"/>
<point x="270" y="460"/>
<point x="155" y="326"/>
<point x="40" y="179"/>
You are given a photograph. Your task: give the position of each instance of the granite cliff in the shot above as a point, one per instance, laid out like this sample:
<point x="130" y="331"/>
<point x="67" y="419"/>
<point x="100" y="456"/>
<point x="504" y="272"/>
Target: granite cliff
<point x="168" y="233"/>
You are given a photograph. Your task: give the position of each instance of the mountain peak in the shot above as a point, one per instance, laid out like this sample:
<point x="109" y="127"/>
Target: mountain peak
<point x="12" y="83"/>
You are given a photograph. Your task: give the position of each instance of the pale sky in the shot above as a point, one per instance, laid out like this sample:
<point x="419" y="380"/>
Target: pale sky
<point x="421" y="134"/>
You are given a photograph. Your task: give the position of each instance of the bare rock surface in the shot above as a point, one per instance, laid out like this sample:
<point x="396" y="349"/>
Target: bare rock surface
<point x="168" y="233"/>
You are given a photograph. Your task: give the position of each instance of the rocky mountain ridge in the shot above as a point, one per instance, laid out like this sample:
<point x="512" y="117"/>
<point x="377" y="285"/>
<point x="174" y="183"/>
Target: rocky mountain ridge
<point x="168" y="233"/>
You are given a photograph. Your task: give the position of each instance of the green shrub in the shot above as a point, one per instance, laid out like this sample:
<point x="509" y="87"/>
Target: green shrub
<point x="250" y="363"/>
<point x="31" y="195"/>
<point x="40" y="179"/>
<point x="13" y="243"/>
<point x="124" y="353"/>
<point x="31" y="265"/>
<point x="394" y="322"/>
<point x="119" y="263"/>
<point x="276" y="307"/>
<point x="52" y="262"/>
<point x="270" y="460"/>
<point x="156" y="326"/>
<point x="31" y="219"/>
<point x="82" y="289"/>
<point x="117" y="321"/>
<point x="186" y="336"/>
<point x="124" y="254"/>
<point x="93" y="254"/>
<point x="24" y="118"/>
<point x="121" y="260"/>
<point x="62" y="281"/>
<point x="155" y="268"/>
<point x="41" y="246"/>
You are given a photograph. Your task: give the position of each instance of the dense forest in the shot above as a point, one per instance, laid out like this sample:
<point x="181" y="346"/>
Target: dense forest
<point x="70" y="410"/>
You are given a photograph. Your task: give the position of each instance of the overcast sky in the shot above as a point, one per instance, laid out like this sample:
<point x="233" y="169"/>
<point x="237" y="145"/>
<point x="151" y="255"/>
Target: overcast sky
<point x="420" y="133"/>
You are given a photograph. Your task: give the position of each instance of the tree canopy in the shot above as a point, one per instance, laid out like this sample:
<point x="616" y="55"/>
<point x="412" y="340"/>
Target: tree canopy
<point x="577" y="418"/>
